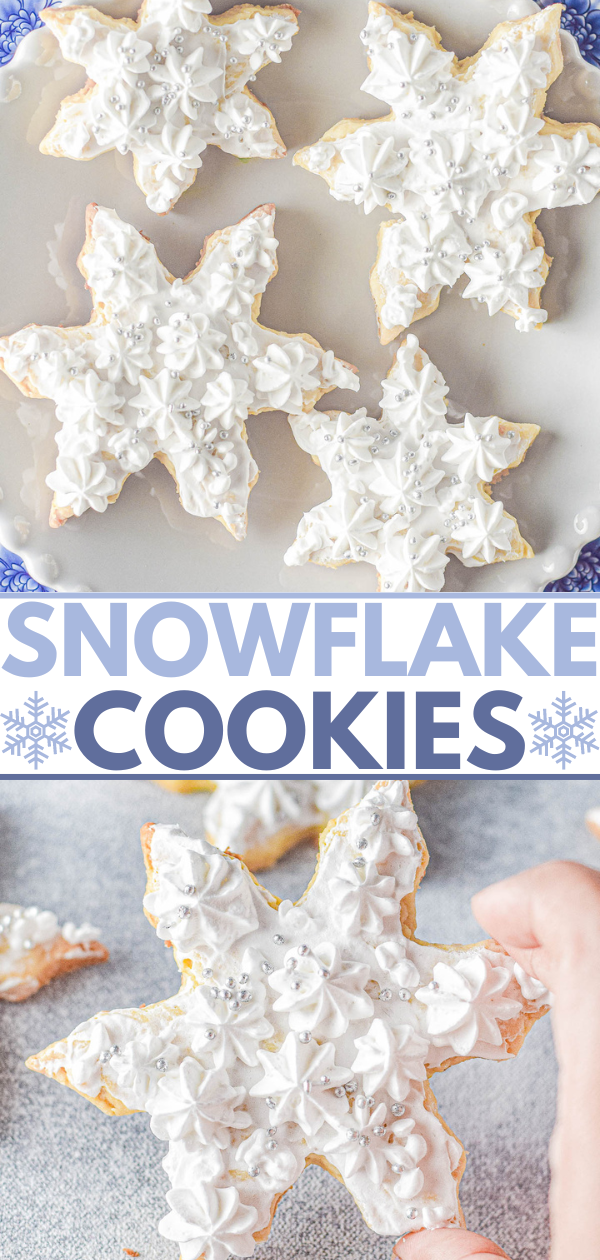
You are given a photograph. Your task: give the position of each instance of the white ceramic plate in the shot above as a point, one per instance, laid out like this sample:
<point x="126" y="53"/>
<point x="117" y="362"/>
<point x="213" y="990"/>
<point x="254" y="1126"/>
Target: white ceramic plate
<point x="146" y="541"/>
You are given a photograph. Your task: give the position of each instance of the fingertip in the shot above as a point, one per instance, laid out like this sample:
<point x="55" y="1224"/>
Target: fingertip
<point x="446" y="1244"/>
<point x="517" y="910"/>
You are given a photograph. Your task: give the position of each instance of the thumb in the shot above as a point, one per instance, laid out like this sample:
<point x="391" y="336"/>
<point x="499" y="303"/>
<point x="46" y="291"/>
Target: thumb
<point x="446" y="1244"/>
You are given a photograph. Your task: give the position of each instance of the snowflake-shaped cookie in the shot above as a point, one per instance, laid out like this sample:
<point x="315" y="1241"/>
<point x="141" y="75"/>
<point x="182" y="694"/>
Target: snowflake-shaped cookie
<point x="410" y="489"/>
<point x="34" y="949"/>
<point x="301" y="1034"/>
<point x="466" y="160"/>
<point x="169" y="369"/>
<point x="168" y="85"/>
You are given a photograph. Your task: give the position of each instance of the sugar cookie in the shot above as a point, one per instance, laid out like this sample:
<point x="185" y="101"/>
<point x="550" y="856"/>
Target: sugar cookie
<point x="301" y="1034"/>
<point x="166" y="86"/>
<point x="34" y="949"/>
<point x="411" y="489"/>
<point x="168" y="369"/>
<point x="466" y="160"/>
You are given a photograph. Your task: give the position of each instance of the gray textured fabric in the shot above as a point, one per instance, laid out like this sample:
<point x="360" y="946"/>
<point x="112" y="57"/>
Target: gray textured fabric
<point x="76" y="1185"/>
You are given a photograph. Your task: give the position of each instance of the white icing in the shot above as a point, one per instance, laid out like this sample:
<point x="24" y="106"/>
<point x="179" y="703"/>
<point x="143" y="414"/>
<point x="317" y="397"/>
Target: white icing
<point x="334" y="796"/>
<point x="466" y="1001"/>
<point x="320" y="991"/>
<point x="200" y="896"/>
<point x="410" y="488"/>
<point x="464" y="155"/>
<point x="24" y="928"/>
<point x="245" y="814"/>
<point x="278" y="1165"/>
<point x="392" y="959"/>
<point x="169" y="368"/>
<point x="363" y="1148"/>
<point x="288" y="1070"/>
<point x="209" y="1222"/>
<point x="391" y="1058"/>
<point x="533" y="990"/>
<point x="168" y="88"/>
<point x="247" y="1077"/>
<point x="362" y="900"/>
<point x="592" y="819"/>
<point x="231" y="1028"/>
<point x="194" y="1102"/>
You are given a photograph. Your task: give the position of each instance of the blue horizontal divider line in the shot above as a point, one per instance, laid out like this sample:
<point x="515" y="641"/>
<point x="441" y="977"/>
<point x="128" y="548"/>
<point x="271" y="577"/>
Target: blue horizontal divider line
<point x="216" y="778"/>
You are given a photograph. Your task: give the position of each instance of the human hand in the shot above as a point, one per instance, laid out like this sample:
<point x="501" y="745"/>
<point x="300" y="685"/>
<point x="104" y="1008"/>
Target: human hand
<point x="548" y="920"/>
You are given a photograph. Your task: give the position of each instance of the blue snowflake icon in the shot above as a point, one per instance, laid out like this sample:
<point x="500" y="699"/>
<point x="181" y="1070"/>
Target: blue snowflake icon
<point x="568" y="734"/>
<point x="38" y="730"/>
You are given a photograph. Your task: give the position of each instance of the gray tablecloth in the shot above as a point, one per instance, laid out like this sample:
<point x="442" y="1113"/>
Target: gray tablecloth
<point x="76" y="1185"/>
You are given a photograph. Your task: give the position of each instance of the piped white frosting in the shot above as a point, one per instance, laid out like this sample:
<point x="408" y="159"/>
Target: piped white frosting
<point x="463" y="160"/>
<point x="292" y="1039"/>
<point x="169" y="368"/>
<point x="246" y="814"/>
<point x="410" y="489"/>
<point x="168" y="87"/>
<point x="24" y="928"/>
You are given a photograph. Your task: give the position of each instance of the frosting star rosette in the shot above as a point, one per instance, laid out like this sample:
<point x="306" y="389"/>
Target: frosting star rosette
<point x="411" y="489"/>
<point x="167" y="85"/>
<point x="168" y="369"/>
<point x="466" y="160"/>
<point x="302" y="1034"/>
<point x="34" y="949"/>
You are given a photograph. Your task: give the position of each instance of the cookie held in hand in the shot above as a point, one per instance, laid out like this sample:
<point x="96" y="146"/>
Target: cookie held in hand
<point x="302" y="1034"/>
<point x="466" y="160"/>
<point x="166" y="86"/>
<point x="34" y="950"/>
<point x="411" y="489"/>
<point x="168" y="369"/>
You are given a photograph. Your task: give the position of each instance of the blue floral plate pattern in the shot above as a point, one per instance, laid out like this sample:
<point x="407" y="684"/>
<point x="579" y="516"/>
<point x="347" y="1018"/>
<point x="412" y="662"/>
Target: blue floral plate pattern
<point x="581" y="18"/>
